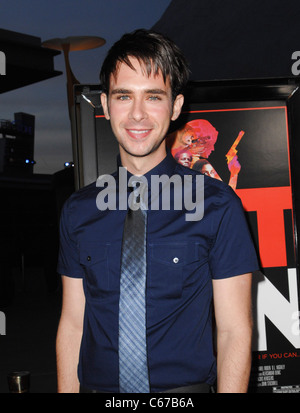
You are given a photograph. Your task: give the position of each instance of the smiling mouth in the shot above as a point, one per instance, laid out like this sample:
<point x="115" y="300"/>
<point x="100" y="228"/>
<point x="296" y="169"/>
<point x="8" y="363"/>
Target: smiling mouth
<point x="138" y="133"/>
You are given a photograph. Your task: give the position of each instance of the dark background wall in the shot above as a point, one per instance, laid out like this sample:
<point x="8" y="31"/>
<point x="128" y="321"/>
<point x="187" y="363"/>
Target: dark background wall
<point x="233" y="38"/>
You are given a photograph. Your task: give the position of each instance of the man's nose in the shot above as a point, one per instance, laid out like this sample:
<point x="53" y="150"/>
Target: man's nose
<point x="138" y="110"/>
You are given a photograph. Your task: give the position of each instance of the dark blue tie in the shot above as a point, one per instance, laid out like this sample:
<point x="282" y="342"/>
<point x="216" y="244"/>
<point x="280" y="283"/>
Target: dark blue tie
<point x="133" y="369"/>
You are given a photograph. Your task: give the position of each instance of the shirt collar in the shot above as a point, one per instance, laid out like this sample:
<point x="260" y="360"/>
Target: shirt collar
<point x="165" y="167"/>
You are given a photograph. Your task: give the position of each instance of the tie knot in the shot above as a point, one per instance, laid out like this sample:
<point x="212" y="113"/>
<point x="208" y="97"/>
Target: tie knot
<point x="138" y="198"/>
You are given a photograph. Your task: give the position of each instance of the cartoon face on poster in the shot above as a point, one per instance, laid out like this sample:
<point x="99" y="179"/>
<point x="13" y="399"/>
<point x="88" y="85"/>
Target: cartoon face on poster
<point x="193" y="143"/>
<point x="247" y="146"/>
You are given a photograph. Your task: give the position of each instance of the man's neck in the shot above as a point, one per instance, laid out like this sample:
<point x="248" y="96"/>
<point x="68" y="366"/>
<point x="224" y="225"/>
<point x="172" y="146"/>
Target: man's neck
<point x="140" y="165"/>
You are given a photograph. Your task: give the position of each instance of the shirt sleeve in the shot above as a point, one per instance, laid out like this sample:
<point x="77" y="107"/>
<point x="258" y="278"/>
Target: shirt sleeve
<point x="68" y="257"/>
<point x="233" y="251"/>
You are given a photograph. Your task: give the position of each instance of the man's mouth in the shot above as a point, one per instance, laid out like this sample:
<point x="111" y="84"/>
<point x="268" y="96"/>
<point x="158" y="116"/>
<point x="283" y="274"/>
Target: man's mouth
<point x="138" y="133"/>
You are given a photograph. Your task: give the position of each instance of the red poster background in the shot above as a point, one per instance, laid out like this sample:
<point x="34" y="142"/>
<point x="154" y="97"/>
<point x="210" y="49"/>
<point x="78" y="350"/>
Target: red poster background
<point x="264" y="185"/>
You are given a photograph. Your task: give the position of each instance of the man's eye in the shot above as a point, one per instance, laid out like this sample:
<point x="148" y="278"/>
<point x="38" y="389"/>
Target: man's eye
<point x="123" y="97"/>
<point x="154" y="98"/>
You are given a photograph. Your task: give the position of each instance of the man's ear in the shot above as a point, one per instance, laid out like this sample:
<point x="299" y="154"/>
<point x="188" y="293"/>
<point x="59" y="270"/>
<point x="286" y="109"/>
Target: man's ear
<point x="104" y="104"/>
<point x="177" y="106"/>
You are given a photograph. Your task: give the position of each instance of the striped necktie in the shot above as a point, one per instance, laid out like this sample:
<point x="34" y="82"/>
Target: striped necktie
<point x="133" y="370"/>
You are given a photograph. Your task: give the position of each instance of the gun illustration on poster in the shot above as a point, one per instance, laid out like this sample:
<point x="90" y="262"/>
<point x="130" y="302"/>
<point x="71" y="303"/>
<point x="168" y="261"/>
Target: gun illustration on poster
<point x="247" y="146"/>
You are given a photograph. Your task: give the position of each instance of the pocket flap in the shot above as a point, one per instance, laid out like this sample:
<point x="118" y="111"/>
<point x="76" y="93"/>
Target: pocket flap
<point x="170" y="254"/>
<point x="93" y="252"/>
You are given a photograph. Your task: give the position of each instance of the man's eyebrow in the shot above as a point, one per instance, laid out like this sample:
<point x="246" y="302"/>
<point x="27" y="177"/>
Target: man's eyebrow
<point x="156" y="91"/>
<point x="148" y="91"/>
<point x="120" y="91"/>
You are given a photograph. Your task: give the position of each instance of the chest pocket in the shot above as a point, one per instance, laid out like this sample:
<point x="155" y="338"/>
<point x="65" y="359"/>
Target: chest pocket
<point x="168" y="266"/>
<point x="94" y="260"/>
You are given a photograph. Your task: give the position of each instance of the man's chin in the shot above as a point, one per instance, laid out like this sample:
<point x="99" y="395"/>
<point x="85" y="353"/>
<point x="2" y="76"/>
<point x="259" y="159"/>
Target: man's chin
<point x="142" y="152"/>
<point x="137" y="154"/>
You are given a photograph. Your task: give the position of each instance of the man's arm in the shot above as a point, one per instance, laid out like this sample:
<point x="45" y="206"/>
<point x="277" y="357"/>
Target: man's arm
<point x="69" y="335"/>
<point x="232" y="301"/>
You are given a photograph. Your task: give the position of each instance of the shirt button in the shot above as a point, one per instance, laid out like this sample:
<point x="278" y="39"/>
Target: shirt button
<point x="89" y="258"/>
<point x="175" y="260"/>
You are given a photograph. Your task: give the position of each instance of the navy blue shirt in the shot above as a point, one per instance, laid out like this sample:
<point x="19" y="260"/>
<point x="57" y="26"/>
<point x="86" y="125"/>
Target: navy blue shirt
<point x="183" y="257"/>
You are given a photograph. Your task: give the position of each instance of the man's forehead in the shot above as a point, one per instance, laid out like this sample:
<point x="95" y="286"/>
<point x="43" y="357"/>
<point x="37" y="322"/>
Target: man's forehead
<point x="149" y="70"/>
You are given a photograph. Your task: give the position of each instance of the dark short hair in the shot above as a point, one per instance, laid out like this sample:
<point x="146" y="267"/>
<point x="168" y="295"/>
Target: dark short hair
<point x="155" y="51"/>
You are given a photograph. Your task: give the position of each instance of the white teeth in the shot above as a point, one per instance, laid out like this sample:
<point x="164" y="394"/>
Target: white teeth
<point x="138" y="131"/>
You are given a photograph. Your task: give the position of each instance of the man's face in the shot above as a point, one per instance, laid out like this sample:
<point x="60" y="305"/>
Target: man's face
<point x="208" y="170"/>
<point x="140" y="109"/>
<point x="185" y="159"/>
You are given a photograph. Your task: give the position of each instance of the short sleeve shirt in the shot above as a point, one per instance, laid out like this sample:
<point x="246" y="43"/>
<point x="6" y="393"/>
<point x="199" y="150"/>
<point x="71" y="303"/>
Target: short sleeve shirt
<point x="184" y="255"/>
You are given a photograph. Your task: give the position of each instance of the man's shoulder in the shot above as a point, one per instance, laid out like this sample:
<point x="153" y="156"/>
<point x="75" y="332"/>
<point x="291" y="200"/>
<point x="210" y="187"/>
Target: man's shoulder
<point x="88" y="192"/>
<point x="83" y="194"/>
<point x="219" y="192"/>
<point x="208" y="181"/>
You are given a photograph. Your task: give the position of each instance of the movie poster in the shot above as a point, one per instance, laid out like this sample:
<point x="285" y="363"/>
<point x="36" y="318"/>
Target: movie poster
<point x="247" y="146"/>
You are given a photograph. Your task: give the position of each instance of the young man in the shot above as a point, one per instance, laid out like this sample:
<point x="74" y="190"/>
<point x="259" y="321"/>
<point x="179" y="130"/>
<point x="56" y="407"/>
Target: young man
<point x="188" y="262"/>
